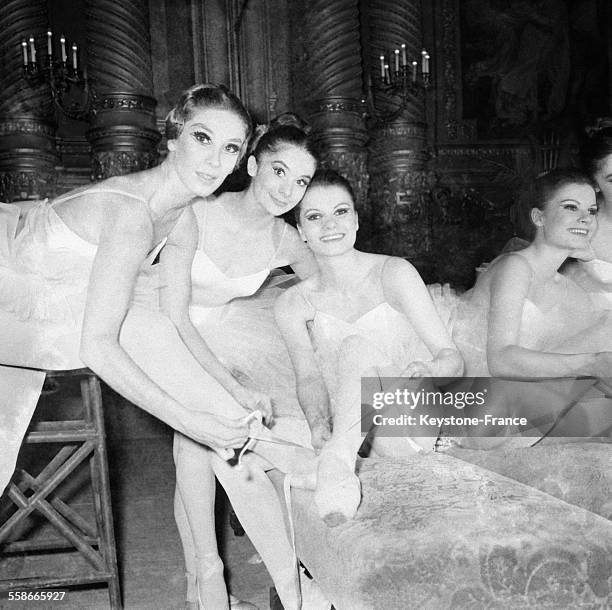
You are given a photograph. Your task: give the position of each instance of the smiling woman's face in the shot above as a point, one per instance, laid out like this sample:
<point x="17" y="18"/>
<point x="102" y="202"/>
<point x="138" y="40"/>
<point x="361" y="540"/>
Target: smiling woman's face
<point x="569" y="218"/>
<point x="208" y="149"/>
<point x="280" y="178"/>
<point x="328" y="220"/>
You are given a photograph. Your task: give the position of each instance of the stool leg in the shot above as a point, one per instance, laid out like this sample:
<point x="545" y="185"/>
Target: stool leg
<point x="92" y="397"/>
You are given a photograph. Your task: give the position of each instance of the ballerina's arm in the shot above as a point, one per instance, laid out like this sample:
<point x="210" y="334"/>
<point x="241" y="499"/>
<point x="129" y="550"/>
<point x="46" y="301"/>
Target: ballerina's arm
<point x="292" y="314"/>
<point x="510" y="283"/>
<point x="297" y="254"/>
<point x="405" y="291"/>
<point x="123" y="244"/>
<point x="175" y="260"/>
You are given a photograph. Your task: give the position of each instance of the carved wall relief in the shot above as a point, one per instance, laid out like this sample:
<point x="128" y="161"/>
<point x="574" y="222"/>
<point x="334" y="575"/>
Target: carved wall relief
<point x="27" y="158"/>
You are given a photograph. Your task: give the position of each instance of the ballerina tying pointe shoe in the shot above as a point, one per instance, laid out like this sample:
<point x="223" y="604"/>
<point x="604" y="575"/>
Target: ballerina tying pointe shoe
<point x="359" y="315"/>
<point x="239" y="240"/>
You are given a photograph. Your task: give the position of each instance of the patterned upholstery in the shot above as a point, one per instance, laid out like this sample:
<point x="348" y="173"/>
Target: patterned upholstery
<point x="434" y="531"/>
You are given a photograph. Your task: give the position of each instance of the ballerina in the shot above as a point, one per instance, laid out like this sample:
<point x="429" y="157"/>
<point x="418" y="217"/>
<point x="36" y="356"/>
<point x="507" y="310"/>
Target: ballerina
<point x="241" y="238"/>
<point x="360" y="314"/>
<point x="524" y="320"/>
<point x="69" y="275"/>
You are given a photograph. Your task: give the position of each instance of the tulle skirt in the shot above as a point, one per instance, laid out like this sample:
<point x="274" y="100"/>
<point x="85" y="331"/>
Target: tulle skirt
<point x="44" y="273"/>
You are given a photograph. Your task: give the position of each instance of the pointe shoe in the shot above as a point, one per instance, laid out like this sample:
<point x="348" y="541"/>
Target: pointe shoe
<point x="338" y="491"/>
<point x="193" y="600"/>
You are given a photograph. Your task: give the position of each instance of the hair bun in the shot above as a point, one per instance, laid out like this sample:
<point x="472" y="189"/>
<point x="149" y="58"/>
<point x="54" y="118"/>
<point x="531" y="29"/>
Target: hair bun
<point x="290" y="119"/>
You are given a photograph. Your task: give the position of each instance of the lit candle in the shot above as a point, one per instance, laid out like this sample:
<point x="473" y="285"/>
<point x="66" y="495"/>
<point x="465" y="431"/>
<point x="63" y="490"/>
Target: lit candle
<point x="24" y="48"/>
<point x="426" y="69"/>
<point x="63" y="45"/>
<point x="32" y="50"/>
<point x="74" y="56"/>
<point x="387" y="75"/>
<point x="404" y="62"/>
<point x="414" y="71"/>
<point x="396" y="60"/>
<point x="382" y="66"/>
<point x="49" y="45"/>
<point x="423" y="60"/>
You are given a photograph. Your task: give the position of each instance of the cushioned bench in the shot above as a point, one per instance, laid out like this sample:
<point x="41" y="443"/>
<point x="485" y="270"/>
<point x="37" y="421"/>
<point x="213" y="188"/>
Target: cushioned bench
<point x="435" y="531"/>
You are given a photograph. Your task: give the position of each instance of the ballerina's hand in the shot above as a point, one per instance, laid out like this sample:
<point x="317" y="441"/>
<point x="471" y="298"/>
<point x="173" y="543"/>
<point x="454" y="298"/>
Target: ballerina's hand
<point x="320" y="433"/>
<point x="216" y="432"/>
<point x="418" y="369"/>
<point x="253" y="400"/>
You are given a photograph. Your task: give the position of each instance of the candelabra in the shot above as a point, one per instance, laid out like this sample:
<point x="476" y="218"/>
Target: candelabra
<point x="403" y="82"/>
<point x="62" y="76"/>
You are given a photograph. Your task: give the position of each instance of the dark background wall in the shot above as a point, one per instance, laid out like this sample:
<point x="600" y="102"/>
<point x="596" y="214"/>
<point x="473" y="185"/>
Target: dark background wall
<point x="514" y="84"/>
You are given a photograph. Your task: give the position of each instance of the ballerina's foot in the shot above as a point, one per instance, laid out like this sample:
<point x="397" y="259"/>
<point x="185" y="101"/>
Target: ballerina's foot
<point x="338" y="491"/>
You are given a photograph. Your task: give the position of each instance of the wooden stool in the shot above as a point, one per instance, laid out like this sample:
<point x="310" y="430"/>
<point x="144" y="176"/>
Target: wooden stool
<point x="77" y="441"/>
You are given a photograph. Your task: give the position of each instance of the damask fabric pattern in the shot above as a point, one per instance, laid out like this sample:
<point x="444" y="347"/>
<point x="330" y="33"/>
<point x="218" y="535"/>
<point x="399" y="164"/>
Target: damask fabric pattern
<point x="582" y="473"/>
<point x="437" y="532"/>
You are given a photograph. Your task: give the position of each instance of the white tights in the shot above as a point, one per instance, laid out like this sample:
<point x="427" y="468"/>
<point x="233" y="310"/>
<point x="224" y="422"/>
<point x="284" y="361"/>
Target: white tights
<point x="258" y="508"/>
<point x="338" y="494"/>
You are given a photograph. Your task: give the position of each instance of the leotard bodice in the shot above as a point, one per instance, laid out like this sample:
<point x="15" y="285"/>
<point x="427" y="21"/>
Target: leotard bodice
<point x="212" y="287"/>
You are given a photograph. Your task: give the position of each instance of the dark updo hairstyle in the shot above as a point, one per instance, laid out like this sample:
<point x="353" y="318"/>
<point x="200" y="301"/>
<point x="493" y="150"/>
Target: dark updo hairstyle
<point x="541" y="190"/>
<point x="326" y="177"/>
<point x="595" y="150"/>
<point x="285" y="129"/>
<point x="205" y="96"/>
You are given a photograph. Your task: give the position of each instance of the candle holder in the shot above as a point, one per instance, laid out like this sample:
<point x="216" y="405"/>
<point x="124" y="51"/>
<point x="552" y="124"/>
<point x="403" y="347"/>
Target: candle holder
<point x="63" y="78"/>
<point x="403" y="83"/>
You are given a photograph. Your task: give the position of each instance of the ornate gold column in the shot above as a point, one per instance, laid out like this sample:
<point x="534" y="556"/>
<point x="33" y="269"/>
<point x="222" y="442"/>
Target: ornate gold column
<point x="123" y="135"/>
<point x="27" y="128"/>
<point x="399" y="182"/>
<point x="329" y="84"/>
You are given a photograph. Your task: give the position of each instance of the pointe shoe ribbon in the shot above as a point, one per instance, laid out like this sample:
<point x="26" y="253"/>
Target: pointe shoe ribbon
<point x="254" y="421"/>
